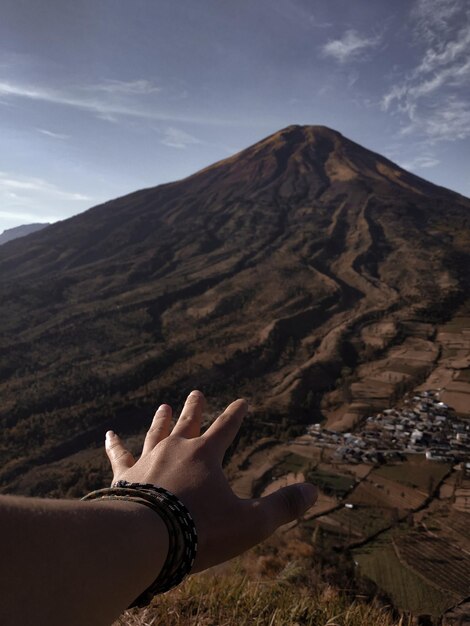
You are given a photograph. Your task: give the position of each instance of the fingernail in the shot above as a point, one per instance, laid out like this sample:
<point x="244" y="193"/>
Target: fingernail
<point x="309" y="494"/>
<point x="196" y="393"/>
<point x="110" y="434"/>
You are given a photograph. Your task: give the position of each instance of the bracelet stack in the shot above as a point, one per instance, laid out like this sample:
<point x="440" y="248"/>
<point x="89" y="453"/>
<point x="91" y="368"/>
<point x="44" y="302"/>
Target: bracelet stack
<point x="180" y="525"/>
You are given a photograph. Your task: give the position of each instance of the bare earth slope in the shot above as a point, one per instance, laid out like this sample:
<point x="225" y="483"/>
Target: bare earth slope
<point x="257" y="276"/>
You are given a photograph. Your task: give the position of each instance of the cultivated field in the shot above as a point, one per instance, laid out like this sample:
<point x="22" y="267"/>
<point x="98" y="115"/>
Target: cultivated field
<point x="376" y="490"/>
<point x="441" y="562"/>
<point x="416" y="472"/>
<point x="407" y="590"/>
<point x="357" y="524"/>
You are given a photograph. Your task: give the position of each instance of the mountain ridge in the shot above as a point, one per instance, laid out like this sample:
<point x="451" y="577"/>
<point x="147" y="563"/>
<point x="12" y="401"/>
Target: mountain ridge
<point x="10" y="234"/>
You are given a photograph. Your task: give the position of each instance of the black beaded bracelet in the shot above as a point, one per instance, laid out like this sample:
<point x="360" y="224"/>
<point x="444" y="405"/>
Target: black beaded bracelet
<point x="180" y="525"/>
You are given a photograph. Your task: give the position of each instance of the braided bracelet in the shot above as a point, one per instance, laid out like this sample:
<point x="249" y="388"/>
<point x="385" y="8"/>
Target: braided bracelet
<point x="179" y="523"/>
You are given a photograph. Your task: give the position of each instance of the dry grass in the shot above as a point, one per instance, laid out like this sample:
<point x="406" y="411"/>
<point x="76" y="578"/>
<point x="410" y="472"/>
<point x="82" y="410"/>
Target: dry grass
<point x="234" y="599"/>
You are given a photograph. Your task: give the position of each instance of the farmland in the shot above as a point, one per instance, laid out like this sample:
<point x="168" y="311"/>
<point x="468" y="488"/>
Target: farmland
<point x="406" y="589"/>
<point x="441" y="562"/>
<point x="357" y="524"/>
<point x="394" y="494"/>
<point x="384" y="492"/>
<point x="415" y="473"/>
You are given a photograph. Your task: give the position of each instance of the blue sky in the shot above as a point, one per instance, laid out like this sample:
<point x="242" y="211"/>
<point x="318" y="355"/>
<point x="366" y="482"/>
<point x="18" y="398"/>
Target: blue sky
<point x="99" y="98"/>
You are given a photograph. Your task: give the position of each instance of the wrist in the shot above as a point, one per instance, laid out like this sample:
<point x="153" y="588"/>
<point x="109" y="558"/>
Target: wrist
<point x="137" y="530"/>
<point x="182" y="534"/>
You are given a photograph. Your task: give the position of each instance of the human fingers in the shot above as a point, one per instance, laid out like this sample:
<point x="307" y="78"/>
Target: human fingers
<point x="159" y="429"/>
<point x="283" y="506"/>
<point x="120" y="458"/>
<point x="223" y="430"/>
<point x="189" y="422"/>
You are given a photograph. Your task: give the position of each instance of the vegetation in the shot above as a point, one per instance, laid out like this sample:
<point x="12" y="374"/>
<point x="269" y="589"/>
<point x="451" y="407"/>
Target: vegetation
<point x="330" y="483"/>
<point x="225" y="600"/>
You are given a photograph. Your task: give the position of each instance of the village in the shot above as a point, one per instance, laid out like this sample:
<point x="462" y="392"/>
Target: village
<point x="422" y="424"/>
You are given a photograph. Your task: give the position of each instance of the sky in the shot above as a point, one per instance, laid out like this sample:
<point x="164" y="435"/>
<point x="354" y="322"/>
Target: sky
<point x="99" y="98"/>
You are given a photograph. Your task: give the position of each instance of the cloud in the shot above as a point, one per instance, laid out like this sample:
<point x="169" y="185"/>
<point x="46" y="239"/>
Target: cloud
<point x="50" y="133"/>
<point x="26" y="217"/>
<point x="294" y="12"/>
<point x="10" y="184"/>
<point x="433" y="98"/>
<point x="421" y="162"/>
<point x="351" y="47"/>
<point x="106" y="101"/>
<point x="433" y="17"/>
<point x="177" y="138"/>
<point x="132" y="87"/>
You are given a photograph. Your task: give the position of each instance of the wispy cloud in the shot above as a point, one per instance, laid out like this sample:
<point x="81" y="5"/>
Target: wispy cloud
<point x="50" y="133"/>
<point x="351" y="47"/>
<point x="297" y="13"/>
<point x="131" y="87"/>
<point x="420" y="162"/>
<point x="108" y="101"/>
<point x="177" y="138"/>
<point x="432" y="18"/>
<point x="11" y="184"/>
<point x="433" y="98"/>
<point x="26" y="217"/>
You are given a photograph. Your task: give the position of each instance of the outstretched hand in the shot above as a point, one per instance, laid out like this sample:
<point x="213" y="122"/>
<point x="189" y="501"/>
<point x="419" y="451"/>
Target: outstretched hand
<point x="189" y="464"/>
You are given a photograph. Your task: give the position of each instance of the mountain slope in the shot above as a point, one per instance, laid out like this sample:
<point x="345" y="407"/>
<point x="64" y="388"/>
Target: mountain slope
<point x="20" y="231"/>
<point x="253" y="276"/>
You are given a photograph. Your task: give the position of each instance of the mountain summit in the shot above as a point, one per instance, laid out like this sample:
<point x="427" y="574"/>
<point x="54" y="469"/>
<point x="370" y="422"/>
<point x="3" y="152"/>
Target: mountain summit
<point x="257" y="276"/>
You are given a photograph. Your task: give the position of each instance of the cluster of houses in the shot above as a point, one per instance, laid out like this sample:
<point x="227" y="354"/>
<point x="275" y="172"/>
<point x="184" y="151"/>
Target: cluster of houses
<point x="422" y="424"/>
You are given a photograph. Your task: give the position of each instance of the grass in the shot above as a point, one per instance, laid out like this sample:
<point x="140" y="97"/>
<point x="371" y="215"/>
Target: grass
<point x="214" y="600"/>
<point x="292" y="463"/>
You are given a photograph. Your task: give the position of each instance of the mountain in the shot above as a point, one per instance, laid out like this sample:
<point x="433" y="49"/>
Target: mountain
<point x="20" y="231"/>
<point x="272" y="274"/>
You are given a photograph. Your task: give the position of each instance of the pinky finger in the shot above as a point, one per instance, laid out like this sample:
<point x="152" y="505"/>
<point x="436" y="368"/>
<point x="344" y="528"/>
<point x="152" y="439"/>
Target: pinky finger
<point x="119" y="457"/>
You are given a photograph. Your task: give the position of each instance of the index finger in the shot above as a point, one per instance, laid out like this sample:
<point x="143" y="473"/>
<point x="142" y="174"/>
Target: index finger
<point x="223" y="430"/>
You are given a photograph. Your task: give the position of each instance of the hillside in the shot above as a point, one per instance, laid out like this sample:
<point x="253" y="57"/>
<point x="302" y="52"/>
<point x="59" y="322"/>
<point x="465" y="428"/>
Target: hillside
<point x="274" y="274"/>
<point x="20" y="231"/>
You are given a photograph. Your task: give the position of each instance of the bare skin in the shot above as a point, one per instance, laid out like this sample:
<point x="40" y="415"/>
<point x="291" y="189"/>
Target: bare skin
<point x="69" y="562"/>
<point x="190" y="465"/>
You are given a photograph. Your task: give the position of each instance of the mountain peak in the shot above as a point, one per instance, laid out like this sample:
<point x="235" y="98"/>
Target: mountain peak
<point x="311" y="159"/>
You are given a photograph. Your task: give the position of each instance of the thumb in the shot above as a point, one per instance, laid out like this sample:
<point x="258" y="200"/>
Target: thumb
<point x="286" y="504"/>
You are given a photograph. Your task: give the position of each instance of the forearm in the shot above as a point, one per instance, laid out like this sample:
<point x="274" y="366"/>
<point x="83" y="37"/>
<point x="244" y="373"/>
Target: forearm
<point x="72" y="562"/>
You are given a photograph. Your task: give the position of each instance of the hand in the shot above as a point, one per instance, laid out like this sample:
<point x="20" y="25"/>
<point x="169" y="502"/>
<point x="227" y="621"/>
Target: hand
<point x="189" y="464"/>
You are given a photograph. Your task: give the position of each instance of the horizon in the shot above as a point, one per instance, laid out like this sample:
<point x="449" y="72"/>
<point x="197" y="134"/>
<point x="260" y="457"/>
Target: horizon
<point x="116" y="98"/>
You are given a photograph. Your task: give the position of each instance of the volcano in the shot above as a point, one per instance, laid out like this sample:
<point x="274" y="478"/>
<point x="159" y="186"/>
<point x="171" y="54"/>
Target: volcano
<point x="272" y="274"/>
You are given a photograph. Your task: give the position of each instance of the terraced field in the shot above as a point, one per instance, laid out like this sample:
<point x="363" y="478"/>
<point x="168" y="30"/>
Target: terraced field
<point x="416" y="473"/>
<point x="357" y="524"/>
<point x="441" y="562"/>
<point x="460" y="523"/>
<point x="406" y="589"/>
<point x="377" y="491"/>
